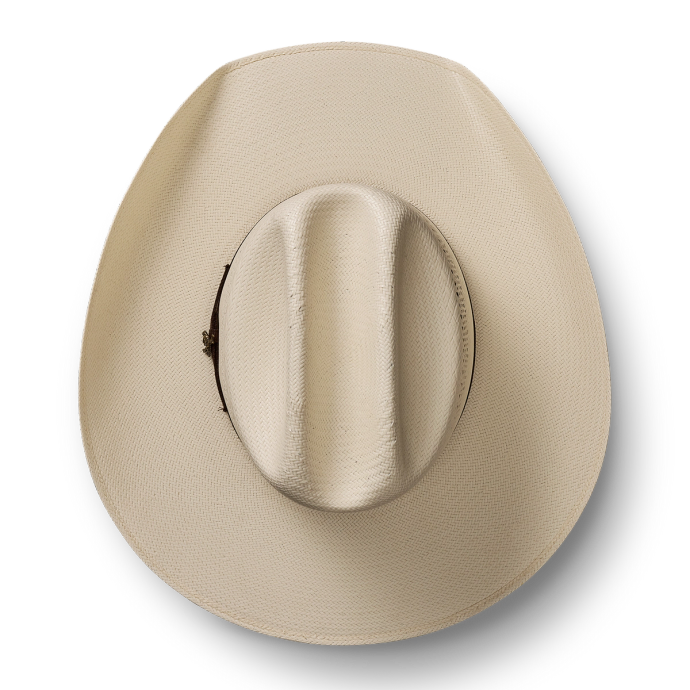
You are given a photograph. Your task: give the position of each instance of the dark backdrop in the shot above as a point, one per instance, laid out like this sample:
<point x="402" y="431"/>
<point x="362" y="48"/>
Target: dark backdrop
<point x="565" y="100"/>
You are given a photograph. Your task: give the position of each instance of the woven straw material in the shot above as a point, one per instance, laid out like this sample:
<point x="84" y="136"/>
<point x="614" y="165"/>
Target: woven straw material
<point x="346" y="346"/>
<point x="519" y="465"/>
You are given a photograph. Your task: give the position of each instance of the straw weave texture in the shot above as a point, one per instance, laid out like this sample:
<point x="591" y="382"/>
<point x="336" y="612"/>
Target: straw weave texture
<point x="346" y="346"/>
<point x="522" y="461"/>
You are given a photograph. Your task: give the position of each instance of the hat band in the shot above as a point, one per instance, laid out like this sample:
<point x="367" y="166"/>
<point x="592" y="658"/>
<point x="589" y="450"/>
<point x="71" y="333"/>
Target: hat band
<point x="210" y="337"/>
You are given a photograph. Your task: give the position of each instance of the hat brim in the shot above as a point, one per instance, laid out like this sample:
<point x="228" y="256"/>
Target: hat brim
<point x="525" y="455"/>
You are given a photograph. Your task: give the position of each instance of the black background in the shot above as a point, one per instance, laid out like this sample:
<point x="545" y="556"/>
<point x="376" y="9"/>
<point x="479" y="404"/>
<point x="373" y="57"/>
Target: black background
<point x="566" y="101"/>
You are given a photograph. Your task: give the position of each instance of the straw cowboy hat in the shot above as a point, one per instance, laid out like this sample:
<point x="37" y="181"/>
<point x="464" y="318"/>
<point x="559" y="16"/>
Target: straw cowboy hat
<point x="406" y="401"/>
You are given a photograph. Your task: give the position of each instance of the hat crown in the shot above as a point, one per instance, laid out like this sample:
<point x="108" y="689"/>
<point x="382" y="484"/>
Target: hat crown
<point x="346" y="346"/>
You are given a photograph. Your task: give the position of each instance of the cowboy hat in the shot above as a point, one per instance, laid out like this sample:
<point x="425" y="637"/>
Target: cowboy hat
<point x="406" y="401"/>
